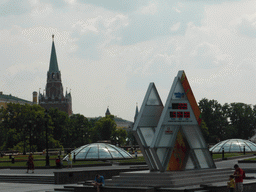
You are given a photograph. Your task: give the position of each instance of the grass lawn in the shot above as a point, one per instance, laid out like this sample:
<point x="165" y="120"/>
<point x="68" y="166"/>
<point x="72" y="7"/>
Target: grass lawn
<point x="52" y="163"/>
<point x="250" y="159"/>
<point x="39" y="160"/>
<point x="214" y="156"/>
<point x="138" y="159"/>
<point x="25" y="157"/>
<point x="20" y="160"/>
<point x="226" y="155"/>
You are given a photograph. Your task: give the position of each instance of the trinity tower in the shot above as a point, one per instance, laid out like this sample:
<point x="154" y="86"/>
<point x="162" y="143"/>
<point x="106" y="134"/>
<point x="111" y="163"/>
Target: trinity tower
<point x="53" y="96"/>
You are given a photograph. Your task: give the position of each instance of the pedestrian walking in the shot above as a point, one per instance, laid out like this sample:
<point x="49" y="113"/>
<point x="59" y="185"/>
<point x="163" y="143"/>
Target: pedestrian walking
<point x="69" y="160"/>
<point x="30" y="163"/>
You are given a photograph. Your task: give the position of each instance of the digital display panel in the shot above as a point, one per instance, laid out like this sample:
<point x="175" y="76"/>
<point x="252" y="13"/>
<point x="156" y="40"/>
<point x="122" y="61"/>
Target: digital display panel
<point x="186" y="114"/>
<point x="173" y="114"/>
<point x="179" y="106"/>
<point x="179" y="114"/>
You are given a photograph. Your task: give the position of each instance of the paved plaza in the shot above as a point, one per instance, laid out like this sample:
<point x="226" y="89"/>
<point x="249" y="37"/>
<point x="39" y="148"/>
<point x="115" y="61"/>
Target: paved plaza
<point x="20" y="187"/>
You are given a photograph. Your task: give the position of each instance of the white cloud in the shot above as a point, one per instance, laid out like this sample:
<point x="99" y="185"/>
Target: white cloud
<point x="175" y="27"/>
<point x="247" y="25"/>
<point x="150" y="9"/>
<point x="70" y="1"/>
<point x="218" y="58"/>
<point x="217" y="42"/>
<point x="86" y="26"/>
<point x="178" y="7"/>
<point x="41" y="10"/>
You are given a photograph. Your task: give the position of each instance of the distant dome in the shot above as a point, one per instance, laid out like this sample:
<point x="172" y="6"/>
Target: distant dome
<point x="96" y="151"/>
<point x="234" y="145"/>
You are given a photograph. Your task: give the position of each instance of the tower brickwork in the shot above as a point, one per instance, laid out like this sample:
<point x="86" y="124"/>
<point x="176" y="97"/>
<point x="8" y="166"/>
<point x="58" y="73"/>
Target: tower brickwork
<point x="53" y="96"/>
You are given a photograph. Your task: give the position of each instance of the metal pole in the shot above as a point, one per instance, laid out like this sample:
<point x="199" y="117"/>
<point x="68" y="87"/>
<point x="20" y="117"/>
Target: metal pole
<point x="222" y="153"/>
<point x="24" y="146"/>
<point x="30" y="137"/>
<point x="47" y="163"/>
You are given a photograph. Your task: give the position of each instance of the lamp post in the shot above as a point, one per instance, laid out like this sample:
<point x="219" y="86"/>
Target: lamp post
<point x="47" y="163"/>
<point x="82" y="133"/>
<point x="30" y="127"/>
<point x="24" y="138"/>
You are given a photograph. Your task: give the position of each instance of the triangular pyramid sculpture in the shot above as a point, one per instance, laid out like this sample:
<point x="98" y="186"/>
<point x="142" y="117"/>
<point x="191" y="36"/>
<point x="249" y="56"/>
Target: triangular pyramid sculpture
<point x="146" y="123"/>
<point x="178" y="143"/>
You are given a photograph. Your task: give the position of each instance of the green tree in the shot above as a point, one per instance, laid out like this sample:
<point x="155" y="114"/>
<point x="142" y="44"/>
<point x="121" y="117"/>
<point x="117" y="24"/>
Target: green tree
<point x="104" y="129"/>
<point x="242" y="120"/>
<point x="215" y="119"/>
<point x="119" y="137"/>
<point x="24" y="128"/>
<point x="21" y="125"/>
<point x="204" y="130"/>
<point x="131" y="140"/>
<point x="36" y="127"/>
<point x="80" y="130"/>
<point x="12" y="125"/>
<point x="59" y="123"/>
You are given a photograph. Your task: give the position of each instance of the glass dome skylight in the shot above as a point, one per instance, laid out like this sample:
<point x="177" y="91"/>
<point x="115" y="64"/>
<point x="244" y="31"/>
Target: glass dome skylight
<point x="96" y="151"/>
<point x="234" y="145"/>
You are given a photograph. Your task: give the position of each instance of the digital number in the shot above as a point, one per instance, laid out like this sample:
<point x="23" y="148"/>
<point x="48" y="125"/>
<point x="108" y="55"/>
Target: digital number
<point x="182" y="106"/>
<point x="175" y="105"/>
<point x="179" y="114"/>
<point x="173" y="114"/>
<point x="186" y="114"/>
<point x="179" y="106"/>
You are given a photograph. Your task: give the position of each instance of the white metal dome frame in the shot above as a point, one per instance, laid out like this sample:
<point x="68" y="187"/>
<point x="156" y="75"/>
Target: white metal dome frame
<point x="99" y="151"/>
<point x="234" y="146"/>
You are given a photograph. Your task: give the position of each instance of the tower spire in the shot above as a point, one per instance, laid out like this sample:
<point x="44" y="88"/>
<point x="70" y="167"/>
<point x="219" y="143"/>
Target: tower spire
<point x="136" y="112"/>
<point x="53" y="60"/>
<point x="107" y="112"/>
<point x="53" y="93"/>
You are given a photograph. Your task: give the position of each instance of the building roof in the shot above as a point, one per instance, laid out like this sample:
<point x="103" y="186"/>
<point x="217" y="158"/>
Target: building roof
<point x="53" y="60"/>
<point x="12" y="98"/>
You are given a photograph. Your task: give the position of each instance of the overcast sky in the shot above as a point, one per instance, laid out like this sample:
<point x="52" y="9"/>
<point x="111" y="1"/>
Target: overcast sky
<point x="109" y="51"/>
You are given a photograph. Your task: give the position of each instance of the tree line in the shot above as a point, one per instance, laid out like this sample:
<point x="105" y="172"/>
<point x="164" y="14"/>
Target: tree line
<point x="24" y="128"/>
<point x="227" y="121"/>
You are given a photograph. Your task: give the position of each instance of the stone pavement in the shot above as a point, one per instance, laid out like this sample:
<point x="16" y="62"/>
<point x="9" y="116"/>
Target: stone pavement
<point x="50" y="171"/>
<point x="24" y="187"/>
<point x="19" y="187"/>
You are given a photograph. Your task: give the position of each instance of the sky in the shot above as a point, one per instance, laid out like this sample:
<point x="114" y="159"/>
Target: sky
<point x="109" y="51"/>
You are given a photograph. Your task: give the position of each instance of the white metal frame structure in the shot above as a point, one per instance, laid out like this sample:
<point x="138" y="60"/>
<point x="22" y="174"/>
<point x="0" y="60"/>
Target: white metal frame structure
<point x="146" y="123"/>
<point x="178" y="143"/>
<point x="170" y="138"/>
